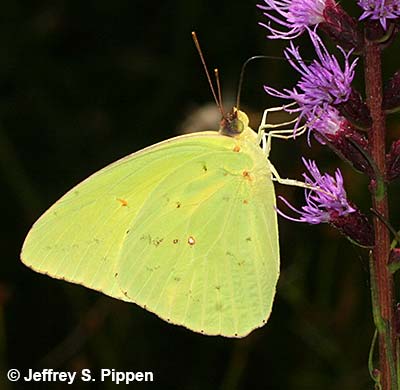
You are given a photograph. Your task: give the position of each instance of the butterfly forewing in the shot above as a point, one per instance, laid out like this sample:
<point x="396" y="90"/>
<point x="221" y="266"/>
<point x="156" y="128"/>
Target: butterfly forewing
<point x="185" y="228"/>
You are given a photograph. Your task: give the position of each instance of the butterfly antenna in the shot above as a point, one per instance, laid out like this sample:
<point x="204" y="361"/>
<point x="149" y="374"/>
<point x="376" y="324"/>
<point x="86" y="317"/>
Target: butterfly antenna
<point x="197" y="44"/>
<point x="241" y="78"/>
<point x="251" y="59"/>
<point x="219" y="89"/>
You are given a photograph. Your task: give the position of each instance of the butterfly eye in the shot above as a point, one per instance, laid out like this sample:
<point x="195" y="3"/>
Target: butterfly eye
<point x="237" y="125"/>
<point x="231" y="125"/>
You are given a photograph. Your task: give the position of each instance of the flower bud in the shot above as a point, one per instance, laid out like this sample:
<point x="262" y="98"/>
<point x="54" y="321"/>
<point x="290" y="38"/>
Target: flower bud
<point x="341" y="27"/>
<point x="374" y="31"/>
<point x="330" y="127"/>
<point x="397" y="319"/>
<point x="391" y="94"/>
<point x="347" y="144"/>
<point x="355" y="226"/>
<point x="394" y="260"/>
<point x="393" y="161"/>
<point x="356" y="111"/>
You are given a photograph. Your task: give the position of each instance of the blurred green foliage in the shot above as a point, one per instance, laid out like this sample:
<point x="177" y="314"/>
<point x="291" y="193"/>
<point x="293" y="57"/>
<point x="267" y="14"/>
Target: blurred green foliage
<point x="83" y="83"/>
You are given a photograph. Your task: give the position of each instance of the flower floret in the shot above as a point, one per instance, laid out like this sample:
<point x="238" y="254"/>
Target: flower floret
<point x="380" y="10"/>
<point x="325" y="198"/>
<point x="322" y="83"/>
<point x="292" y="15"/>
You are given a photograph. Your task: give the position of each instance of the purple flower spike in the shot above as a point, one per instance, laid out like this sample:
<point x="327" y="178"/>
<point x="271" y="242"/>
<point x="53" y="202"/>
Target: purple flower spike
<point x="293" y="15"/>
<point x="322" y="83"/>
<point x="380" y="10"/>
<point x="327" y="201"/>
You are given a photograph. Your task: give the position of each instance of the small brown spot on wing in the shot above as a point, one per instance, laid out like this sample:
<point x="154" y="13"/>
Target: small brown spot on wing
<point x="236" y="148"/>
<point x="245" y="201"/>
<point x="175" y="240"/>
<point x="124" y="202"/>
<point x="246" y="175"/>
<point x="191" y="240"/>
<point x="178" y="205"/>
<point x="157" y="241"/>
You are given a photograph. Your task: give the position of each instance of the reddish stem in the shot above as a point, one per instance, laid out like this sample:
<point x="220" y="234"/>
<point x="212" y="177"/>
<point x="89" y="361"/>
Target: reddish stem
<point x="384" y="279"/>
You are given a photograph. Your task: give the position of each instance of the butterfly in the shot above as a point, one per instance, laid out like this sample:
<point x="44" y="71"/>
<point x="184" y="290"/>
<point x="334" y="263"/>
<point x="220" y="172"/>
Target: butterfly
<point x="185" y="228"/>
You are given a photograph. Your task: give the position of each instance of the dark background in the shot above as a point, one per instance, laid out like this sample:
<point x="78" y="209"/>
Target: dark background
<point x="83" y="83"/>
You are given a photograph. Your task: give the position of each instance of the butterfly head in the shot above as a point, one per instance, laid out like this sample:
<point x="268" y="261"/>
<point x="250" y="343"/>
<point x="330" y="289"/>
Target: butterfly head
<point x="234" y="123"/>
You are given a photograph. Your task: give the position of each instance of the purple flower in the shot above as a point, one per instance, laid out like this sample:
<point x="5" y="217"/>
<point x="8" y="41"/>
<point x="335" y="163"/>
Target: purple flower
<point x="327" y="122"/>
<point x="325" y="201"/>
<point x="323" y="123"/>
<point x="322" y="83"/>
<point x="292" y="15"/>
<point x="380" y="10"/>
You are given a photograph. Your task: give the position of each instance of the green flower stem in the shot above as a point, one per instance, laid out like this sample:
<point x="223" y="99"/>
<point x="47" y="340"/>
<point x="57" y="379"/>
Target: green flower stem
<point x="383" y="279"/>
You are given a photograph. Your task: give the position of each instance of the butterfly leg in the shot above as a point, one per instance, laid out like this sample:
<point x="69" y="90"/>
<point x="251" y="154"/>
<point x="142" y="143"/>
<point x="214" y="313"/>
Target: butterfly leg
<point x="289" y="182"/>
<point x="293" y="182"/>
<point x="282" y="134"/>
<point x="266" y="139"/>
<point x="266" y="132"/>
<point x="264" y="121"/>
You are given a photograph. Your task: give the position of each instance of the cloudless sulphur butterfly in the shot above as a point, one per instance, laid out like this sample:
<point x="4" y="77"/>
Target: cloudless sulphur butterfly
<point x="185" y="228"/>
